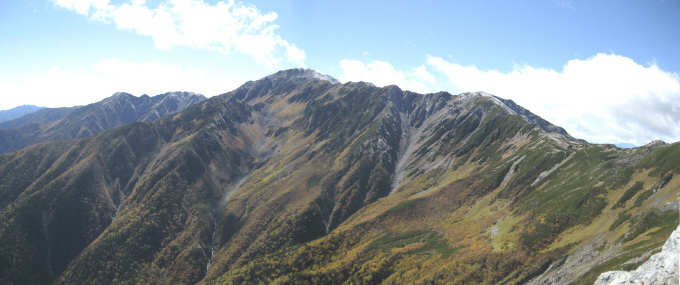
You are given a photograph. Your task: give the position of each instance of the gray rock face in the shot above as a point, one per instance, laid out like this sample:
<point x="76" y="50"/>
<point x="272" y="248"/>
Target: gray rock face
<point x="661" y="268"/>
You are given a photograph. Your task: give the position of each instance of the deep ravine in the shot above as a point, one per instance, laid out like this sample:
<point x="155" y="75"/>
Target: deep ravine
<point x="212" y="247"/>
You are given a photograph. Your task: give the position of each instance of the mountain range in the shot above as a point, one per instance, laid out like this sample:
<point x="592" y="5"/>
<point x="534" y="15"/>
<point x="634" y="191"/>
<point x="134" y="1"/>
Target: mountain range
<point x="298" y="179"/>
<point x="16" y="112"/>
<point x="51" y="124"/>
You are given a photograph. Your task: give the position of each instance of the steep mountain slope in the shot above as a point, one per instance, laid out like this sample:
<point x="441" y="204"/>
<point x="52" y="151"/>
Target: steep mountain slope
<point x="296" y="178"/>
<point x="79" y="122"/>
<point x="16" y="112"/>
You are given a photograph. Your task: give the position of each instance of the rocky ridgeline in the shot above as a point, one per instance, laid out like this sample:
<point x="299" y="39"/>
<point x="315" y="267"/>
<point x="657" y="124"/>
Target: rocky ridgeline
<point x="51" y="124"/>
<point x="661" y="268"/>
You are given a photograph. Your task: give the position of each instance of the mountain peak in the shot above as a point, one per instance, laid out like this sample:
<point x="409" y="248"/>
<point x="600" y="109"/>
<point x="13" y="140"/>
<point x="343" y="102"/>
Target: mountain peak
<point x="656" y="143"/>
<point x="300" y="73"/>
<point x="16" y="112"/>
<point x="497" y="100"/>
<point x="512" y="108"/>
<point x="181" y="94"/>
<point x="476" y="93"/>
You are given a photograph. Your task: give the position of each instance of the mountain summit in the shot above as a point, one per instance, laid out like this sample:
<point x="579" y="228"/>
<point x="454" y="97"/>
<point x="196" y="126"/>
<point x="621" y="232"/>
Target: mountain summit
<point x="302" y="74"/>
<point x="298" y="179"/>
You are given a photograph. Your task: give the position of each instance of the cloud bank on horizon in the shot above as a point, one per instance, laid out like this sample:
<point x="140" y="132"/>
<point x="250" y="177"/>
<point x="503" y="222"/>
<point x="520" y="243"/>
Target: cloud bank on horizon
<point x="605" y="98"/>
<point x="63" y="88"/>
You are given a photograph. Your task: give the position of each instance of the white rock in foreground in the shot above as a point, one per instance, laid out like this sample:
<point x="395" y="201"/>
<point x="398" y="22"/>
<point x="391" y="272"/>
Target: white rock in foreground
<point x="661" y="268"/>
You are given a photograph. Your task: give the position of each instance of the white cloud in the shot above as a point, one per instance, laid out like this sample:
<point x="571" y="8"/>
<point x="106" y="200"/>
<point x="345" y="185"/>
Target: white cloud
<point x="382" y="73"/>
<point x="379" y="73"/>
<point x="59" y="87"/>
<point x="224" y="27"/>
<point x="422" y="74"/>
<point x="605" y="98"/>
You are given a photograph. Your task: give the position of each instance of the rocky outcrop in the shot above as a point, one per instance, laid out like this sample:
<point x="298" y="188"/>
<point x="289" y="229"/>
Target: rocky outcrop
<point x="661" y="268"/>
<point x="657" y="143"/>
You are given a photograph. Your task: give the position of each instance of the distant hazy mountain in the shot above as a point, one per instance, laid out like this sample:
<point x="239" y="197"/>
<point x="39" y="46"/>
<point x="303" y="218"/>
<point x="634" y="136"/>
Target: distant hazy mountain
<point x="79" y="122"/>
<point x="296" y="178"/>
<point x="625" y="145"/>
<point x="17" y="112"/>
<point x="44" y="115"/>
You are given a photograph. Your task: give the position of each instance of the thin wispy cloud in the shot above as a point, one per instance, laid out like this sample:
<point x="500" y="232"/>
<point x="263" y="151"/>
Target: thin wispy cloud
<point x="225" y="27"/>
<point x="564" y="4"/>
<point x="605" y="98"/>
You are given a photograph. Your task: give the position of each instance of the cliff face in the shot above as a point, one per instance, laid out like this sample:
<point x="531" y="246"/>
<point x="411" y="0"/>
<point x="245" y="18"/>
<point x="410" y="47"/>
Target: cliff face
<point x="661" y="268"/>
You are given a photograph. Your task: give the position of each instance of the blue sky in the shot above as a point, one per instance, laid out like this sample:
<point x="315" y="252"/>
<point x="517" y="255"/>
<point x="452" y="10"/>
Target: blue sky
<point x="607" y="71"/>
